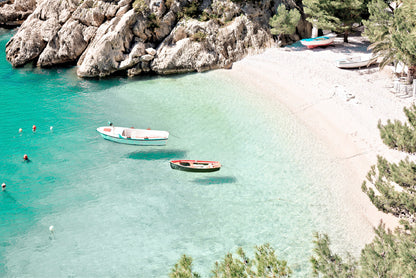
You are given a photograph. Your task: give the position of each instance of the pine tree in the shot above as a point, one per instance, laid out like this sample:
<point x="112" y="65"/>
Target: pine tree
<point x="326" y="264"/>
<point x="390" y="254"/>
<point x="284" y="21"/>
<point x="398" y="135"/>
<point x="264" y="265"/>
<point x="395" y="185"/>
<point x="392" y="31"/>
<point x="183" y="269"/>
<point x="335" y="15"/>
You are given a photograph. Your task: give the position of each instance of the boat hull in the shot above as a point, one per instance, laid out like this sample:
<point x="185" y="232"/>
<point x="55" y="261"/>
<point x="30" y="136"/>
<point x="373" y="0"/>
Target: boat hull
<point x="353" y="65"/>
<point x="317" y="42"/>
<point x="137" y="142"/>
<point x="175" y="165"/>
<point x="130" y="136"/>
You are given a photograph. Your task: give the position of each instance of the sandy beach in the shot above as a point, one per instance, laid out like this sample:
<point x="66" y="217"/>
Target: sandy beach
<point x="341" y="107"/>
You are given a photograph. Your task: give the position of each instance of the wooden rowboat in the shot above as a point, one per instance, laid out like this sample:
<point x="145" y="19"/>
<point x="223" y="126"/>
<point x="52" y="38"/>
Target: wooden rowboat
<point x="356" y="62"/>
<point x="134" y="136"/>
<point x="195" y="165"/>
<point x="318" y="41"/>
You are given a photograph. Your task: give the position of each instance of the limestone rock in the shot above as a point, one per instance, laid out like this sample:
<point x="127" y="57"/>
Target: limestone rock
<point x="106" y="36"/>
<point x="146" y="58"/>
<point x="67" y="45"/>
<point x="151" y="51"/>
<point x="14" y="12"/>
<point x="207" y="45"/>
<point x="39" y="28"/>
<point x="75" y="35"/>
<point x="134" y="71"/>
<point x="108" y="48"/>
<point x="134" y="58"/>
<point x="226" y="10"/>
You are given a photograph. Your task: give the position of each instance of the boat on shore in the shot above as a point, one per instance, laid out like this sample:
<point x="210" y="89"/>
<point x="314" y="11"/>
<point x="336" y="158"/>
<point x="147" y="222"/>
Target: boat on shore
<point x="318" y="41"/>
<point x="133" y="136"/>
<point x="358" y="61"/>
<point x="195" y="165"/>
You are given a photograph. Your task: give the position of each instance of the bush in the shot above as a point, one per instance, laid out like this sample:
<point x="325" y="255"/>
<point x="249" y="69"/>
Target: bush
<point x="199" y="36"/>
<point x="140" y="6"/>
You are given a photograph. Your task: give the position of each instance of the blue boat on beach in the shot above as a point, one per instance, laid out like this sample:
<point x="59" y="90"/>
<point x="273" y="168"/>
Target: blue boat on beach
<point x="318" y="41"/>
<point x="133" y="136"/>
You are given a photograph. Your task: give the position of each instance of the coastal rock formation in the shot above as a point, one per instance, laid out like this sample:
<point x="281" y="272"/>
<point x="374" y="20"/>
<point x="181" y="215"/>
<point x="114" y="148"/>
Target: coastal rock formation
<point x="14" y="12"/>
<point x="201" y="46"/>
<point x="135" y="36"/>
<point x="38" y="30"/>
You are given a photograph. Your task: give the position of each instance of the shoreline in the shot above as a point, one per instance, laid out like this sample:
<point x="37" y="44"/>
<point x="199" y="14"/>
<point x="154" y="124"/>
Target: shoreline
<point x="319" y="94"/>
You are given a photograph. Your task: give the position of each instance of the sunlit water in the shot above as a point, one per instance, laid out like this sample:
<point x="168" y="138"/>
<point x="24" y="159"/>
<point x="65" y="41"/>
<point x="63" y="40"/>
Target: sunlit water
<point x="121" y="211"/>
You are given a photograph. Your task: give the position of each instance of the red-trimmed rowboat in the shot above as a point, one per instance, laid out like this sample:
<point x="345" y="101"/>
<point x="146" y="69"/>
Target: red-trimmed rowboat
<point x="195" y="165"/>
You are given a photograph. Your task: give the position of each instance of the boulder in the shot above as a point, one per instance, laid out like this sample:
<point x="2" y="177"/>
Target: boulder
<point x="77" y="32"/>
<point x="109" y="47"/>
<point x="39" y="28"/>
<point x="14" y="12"/>
<point x="151" y="51"/>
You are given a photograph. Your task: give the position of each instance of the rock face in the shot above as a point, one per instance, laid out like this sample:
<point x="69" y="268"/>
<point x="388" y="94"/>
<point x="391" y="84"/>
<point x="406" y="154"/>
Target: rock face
<point x="201" y="46"/>
<point x="14" y="12"/>
<point x="135" y="36"/>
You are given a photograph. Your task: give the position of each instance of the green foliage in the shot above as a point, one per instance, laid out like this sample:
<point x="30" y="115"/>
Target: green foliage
<point x="396" y="187"/>
<point x="183" y="269"/>
<point x="199" y="36"/>
<point x="398" y="135"/>
<point x="326" y="264"/>
<point x="191" y="10"/>
<point x="232" y="267"/>
<point x="264" y="265"/>
<point x="336" y="15"/>
<point x="153" y="21"/>
<point x="388" y="255"/>
<point x="168" y="3"/>
<point x="393" y="32"/>
<point x="140" y="6"/>
<point x="284" y="21"/>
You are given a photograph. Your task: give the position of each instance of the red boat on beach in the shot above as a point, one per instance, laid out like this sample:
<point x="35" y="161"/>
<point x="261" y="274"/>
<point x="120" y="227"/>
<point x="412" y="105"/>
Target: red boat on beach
<point x="195" y="165"/>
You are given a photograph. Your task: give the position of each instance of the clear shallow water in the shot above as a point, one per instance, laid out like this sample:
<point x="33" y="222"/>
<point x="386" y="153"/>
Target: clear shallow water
<point x="121" y="211"/>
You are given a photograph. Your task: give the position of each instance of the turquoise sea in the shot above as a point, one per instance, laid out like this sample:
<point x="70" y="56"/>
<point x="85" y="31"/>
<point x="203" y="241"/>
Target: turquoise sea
<point x="120" y="211"/>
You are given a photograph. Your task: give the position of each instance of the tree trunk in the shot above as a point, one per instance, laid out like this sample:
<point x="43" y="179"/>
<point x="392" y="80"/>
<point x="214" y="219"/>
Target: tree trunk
<point x="346" y="36"/>
<point x="411" y="73"/>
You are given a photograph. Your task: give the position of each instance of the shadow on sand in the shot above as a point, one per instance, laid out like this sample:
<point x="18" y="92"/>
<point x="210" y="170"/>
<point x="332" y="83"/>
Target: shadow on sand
<point x="157" y="154"/>
<point x="215" y="180"/>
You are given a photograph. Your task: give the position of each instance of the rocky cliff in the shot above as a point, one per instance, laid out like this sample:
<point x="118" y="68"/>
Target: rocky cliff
<point x="162" y="36"/>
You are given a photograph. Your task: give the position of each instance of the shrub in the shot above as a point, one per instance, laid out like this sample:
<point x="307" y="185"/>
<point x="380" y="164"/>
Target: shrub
<point x="140" y="6"/>
<point x="199" y="36"/>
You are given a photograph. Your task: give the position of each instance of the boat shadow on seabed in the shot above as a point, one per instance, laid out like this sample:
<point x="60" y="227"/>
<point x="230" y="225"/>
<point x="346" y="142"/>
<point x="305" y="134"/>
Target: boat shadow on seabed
<point x="157" y="154"/>
<point x="215" y="180"/>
